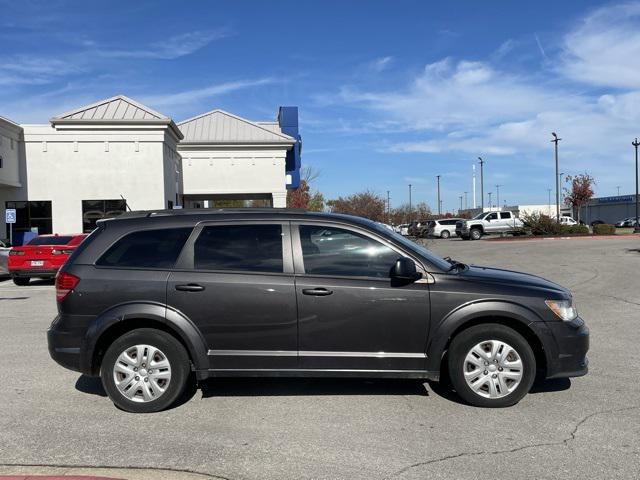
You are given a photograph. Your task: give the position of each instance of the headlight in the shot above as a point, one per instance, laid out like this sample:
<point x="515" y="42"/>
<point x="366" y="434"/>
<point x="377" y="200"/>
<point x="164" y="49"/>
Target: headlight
<point x="563" y="309"/>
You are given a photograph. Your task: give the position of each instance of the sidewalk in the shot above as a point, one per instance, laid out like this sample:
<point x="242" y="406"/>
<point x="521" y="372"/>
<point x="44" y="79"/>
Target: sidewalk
<point x="99" y="473"/>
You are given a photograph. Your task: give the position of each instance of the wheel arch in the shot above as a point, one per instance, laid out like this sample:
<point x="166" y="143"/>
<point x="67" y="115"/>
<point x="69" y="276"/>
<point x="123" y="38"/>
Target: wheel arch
<point x="508" y="314"/>
<point x="121" y="319"/>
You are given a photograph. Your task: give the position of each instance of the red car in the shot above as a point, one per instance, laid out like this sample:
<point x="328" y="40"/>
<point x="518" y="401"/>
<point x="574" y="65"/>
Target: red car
<point x="41" y="257"/>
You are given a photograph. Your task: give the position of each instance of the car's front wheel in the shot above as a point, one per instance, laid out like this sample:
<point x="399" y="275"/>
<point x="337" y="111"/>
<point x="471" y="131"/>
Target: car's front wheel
<point x="145" y="370"/>
<point x="491" y="365"/>
<point x="475" y="234"/>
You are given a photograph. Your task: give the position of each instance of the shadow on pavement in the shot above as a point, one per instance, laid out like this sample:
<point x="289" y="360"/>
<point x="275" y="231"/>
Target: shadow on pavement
<point x="234" y="387"/>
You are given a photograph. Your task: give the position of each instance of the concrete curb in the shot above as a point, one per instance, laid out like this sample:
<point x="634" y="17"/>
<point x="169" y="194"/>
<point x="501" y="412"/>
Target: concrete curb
<point x="571" y="237"/>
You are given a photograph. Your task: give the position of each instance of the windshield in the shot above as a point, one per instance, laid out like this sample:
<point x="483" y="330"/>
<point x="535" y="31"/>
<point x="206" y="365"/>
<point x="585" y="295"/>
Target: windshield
<point x="428" y="255"/>
<point x="479" y="216"/>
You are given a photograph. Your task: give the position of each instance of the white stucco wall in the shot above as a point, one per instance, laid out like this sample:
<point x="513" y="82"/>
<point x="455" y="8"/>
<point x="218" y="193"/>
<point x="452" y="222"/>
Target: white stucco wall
<point x="235" y="171"/>
<point x="107" y="164"/>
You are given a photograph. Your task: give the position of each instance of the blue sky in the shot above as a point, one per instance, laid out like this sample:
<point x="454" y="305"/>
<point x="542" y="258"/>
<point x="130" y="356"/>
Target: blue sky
<point x="390" y="93"/>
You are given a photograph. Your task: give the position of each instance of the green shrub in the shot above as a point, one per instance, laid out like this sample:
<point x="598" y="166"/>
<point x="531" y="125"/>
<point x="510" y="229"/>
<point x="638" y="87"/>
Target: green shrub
<point x="578" y="230"/>
<point x="540" y="224"/>
<point x="604" y="229"/>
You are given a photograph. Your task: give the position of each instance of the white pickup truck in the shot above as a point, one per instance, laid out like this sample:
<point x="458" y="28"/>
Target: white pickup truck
<point x="487" y="223"/>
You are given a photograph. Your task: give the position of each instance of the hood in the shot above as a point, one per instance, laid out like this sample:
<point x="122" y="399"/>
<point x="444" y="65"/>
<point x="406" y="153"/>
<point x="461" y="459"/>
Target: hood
<point x="508" y="277"/>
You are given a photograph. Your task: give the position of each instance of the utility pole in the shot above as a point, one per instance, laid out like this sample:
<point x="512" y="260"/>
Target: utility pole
<point x="637" y="227"/>
<point x="410" y="211"/>
<point x="466" y="205"/>
<point x="489" y="201"/>
<point x="498" y="195"/>
<point x="460" y="205"/>
<point x="388" y="206"/>
<point x="555" y="141"/>
<point x="482" y="162"/>
<point x="474" y="186"/>
<point x="439" y="208"/>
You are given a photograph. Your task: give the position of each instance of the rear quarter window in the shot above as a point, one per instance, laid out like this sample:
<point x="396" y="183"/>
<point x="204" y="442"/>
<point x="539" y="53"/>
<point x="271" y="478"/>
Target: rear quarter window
<point x="146" y="249"/>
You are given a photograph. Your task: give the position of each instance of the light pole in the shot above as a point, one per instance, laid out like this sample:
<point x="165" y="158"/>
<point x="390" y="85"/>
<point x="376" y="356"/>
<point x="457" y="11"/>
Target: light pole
<point x="481" y="183"/>
<point x="637" y="227"/>
<point x="618" y="187"/>
<point x="460" y="205"/>
<point x="489" y="201"/>
<point x="466" y="205"/>
<point x="439" y="209"/>
<point x="555" y="141"/>
<point x="410" y="211"/>
<point x="498" y="195"/>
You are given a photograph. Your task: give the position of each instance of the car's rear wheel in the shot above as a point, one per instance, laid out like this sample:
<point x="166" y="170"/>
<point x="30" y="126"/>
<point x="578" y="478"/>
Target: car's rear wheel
<point x="445" y="234"/>
<point x="21" y="281"/>
<point x="475" y="234"/>
<point x="491" y="365"/>
<point x="145" y="370"/>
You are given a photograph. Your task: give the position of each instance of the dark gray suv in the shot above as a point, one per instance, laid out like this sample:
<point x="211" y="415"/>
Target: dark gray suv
<point x="151" y="300"/>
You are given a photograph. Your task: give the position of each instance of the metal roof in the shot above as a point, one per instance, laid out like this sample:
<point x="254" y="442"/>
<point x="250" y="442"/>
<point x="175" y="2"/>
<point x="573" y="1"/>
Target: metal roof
<point x="218" y="126"/>
<point x="119" y="108"/>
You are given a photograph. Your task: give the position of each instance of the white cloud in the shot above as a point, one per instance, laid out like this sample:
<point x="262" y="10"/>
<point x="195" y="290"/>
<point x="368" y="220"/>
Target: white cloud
<point x="380" y="64"/>
<point x="604" y="49"/>
<point x="197" y="95"/>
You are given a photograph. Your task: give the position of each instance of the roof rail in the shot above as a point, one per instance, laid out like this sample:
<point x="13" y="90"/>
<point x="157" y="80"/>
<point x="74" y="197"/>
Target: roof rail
<point x="207" y="211"/>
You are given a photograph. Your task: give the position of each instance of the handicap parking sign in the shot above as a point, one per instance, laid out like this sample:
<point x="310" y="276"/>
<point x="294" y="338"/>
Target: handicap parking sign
<point x="10" y="215"/>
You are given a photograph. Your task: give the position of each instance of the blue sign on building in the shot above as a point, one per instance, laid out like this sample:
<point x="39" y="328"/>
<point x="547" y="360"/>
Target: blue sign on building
<point x="288" y="121"/>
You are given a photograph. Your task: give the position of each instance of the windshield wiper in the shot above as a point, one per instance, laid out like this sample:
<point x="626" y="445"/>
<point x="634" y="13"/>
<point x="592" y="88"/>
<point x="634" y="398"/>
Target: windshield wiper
<point x="455" y="264"/>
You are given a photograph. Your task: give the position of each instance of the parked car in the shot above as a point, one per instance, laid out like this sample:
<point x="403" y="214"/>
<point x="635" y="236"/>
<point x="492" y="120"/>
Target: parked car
<point x="416" y="229"/>
<point x="626" y="223"/>
<point x="402" y="229"/>
<point x="569" y="221"/>
<point x="41" y="257"/>
<point x="489" y="223"/>
<point x="443" y="228"/>
<point x="4" y="255"/>
<point x="150" y="297"/>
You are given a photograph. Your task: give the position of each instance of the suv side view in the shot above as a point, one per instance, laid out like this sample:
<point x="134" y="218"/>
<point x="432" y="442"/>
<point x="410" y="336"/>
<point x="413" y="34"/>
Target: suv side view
<point x="152" y="299"/>
<point x="487" y="223"/>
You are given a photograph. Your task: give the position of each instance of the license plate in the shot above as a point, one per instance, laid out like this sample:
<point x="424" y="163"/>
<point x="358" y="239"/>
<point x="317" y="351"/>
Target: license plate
<point x="37" y="263"/>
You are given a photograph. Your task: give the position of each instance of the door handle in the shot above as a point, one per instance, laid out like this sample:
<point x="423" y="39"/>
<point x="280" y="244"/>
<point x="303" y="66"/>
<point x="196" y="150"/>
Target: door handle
<point x="317" y="292"/>
<point x="191" y="287"/>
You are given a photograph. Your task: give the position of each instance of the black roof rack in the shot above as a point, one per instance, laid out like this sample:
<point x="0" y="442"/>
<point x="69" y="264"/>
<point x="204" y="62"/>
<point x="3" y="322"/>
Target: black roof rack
<point x="208" y="211"/>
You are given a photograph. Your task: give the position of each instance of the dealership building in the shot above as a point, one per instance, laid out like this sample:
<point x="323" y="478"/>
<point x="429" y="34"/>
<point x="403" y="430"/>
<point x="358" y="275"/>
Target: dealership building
<point x="102" y="159"/>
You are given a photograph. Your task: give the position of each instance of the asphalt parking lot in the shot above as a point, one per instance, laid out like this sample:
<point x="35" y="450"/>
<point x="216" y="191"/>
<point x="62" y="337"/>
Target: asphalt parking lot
<point x="588" y="427"/>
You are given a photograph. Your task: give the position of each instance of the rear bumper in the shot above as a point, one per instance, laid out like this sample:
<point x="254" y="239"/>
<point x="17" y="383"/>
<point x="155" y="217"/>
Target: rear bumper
<point x="566" y="345"/>
<point x="65" y="339"/>
<point x="33" y="272"/>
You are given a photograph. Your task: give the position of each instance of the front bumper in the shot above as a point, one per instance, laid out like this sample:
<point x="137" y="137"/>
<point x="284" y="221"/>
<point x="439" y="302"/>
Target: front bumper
<point x="566" y="345"/>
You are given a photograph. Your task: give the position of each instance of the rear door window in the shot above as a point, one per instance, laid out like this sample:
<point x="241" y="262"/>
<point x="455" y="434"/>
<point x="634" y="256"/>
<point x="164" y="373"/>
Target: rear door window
<point x="146" y="249"/>
<point x="250" y="248"/>
<point x="505" y="215"/>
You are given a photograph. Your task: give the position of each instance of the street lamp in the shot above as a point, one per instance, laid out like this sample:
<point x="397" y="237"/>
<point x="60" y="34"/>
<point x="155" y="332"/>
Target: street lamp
<point x="618" y="187"/>
<point x="460" y="205"/>
<point x="465" y="201"/>
<point x="489" y="201"/>
<point x="482" y="162"/>
<point x="498" y="195"/>
<point x="555" y="141"/>
<point x="439" y="209"/>
<point x="636" y="144"/>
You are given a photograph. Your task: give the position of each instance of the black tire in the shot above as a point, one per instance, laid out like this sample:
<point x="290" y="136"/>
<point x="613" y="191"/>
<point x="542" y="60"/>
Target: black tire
<point x="171" y="348"/>
<point x="21" y="281"/>
<point x="466" y="340"/>
<point x="475" y="234"/>
<point x="445" y="234"/>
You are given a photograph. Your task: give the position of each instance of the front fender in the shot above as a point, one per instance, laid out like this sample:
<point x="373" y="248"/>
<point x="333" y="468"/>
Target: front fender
<point x="155" y="312"/>
<point x="441" y="333"/>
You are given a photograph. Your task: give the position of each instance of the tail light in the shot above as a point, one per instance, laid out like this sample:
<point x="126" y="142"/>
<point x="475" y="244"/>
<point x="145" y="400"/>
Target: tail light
<point x="65" y="283"/>
<point x="16" y="252"/>
<point x="67" y="251"/>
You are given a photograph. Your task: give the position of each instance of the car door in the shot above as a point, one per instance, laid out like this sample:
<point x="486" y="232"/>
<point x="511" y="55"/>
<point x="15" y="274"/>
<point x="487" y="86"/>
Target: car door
<point x="234" y="281"/>
<point x="350" y="316"/>
<point x="506" y="221"/>
<point x="492" y="223"/>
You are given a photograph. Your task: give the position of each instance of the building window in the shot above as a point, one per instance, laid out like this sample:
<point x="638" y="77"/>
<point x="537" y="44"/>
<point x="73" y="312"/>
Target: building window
<point x="94" y="210"/>
<point x="30" y="216"/>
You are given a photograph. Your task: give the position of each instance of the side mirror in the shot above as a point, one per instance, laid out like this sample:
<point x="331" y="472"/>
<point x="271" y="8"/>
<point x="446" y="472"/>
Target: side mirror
<point x="405" y="270"/>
